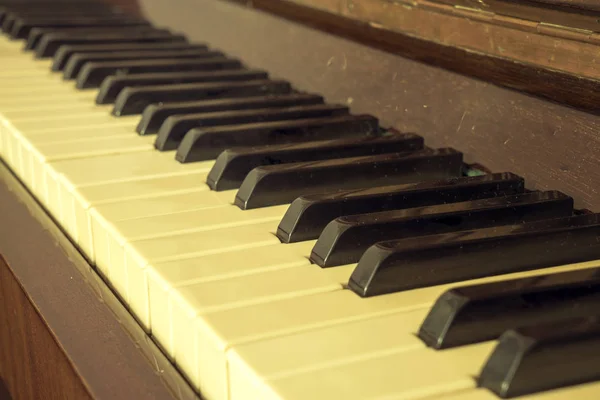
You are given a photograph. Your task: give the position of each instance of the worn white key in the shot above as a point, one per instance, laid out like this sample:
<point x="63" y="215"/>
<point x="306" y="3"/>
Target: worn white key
<point x="131" y="275"/>
<point x="218" y="332"/>
<point x="306" y="351"/>
<point x="410" y="375"/>
<point x="222" y="294"/>
<point x="587" y="391"/>
<point x="126" y="193"/>
<point x="65" y="177"/>
<point x="213" y="216"/>
<point x="108" y="241"/>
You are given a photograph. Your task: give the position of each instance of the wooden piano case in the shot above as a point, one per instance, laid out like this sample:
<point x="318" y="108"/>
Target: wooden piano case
<point x="512" y="84"/>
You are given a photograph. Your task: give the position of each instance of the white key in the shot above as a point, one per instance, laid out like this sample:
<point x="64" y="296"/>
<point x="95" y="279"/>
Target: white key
<point x="191" y="300"/>
<point x="65" y="177"/>
<point x="218" y="332"/>
<point x="405" y="374"/>
<point x="113" y="195"/>
<point x="587" y="391"/>
<point x="109" y="242"/>
<point x="213" y="216"/>
<point x="130" y="274"/>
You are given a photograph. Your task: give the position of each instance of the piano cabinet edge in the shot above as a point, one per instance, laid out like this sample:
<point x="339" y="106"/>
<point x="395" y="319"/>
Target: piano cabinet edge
<point x="63" y="333"/>
<point x="32" y="364"/>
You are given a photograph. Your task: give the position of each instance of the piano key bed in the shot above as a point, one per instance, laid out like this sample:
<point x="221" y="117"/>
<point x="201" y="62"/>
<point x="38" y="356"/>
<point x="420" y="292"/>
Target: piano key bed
<point x="279" y="247"/>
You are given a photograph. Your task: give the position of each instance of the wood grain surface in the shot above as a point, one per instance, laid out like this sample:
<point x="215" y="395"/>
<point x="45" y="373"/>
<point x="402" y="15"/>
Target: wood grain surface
<point x="31" y="362"/>
<point x="469" y="42"/>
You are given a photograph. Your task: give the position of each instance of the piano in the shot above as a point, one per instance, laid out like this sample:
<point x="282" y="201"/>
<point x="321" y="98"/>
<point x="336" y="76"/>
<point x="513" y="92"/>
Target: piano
<point x="299" y="199"/>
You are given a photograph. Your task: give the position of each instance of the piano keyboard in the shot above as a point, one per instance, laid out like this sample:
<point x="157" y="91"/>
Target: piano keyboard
<point x="280" y="247"/>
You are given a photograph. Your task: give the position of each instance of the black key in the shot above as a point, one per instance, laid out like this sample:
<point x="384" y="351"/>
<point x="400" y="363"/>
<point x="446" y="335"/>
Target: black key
<point x="233" y="165"/>
<point x="112" y="86"/>
<point x="308" y="215"/>
<point x="478" y="313"/>
<point x="175" y="127"/>
<point x="49" y="43"/>
<point x="37" y="34"/>
<point x="8" y="14"/>
<point x="135" y="100"/>
<point x="398" y="265"/>
<point x="208" y="143"/>
<point x="77" y="61"/>
<point x="62" y="55"/>
<point x="544" y="357"/>
<point x="93" y="73"/>
<point x="21" y="26"/>
<point x="155" y="114"/>
<point x="345" y="239"/>
<point x="281" y="184"/>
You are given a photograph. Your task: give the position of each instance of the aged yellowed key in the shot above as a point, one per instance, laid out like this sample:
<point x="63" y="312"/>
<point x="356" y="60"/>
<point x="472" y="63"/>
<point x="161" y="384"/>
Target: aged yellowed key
<point x="219" y="333"/>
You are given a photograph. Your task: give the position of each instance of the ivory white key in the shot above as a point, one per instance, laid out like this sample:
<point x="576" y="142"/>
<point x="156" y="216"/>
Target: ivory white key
<point x="181" y="289"/>
<point x="42" y="154"/>
<point x="139" y="255"/>
<point x="25" y="146"/>
<point x="218" y="333"/>
<point x="188" y="222"/>
<point x="52" y="108"/>
<point x="31" y="160"/>
<point x="34" y="108"/>
<point x="235" y="292"/>
<point x="259" y="361"/>
<point x="588" y="391"/>
<point x="114" y="194"/>
<point x="108" y="242"/>
<point x="16" y="130"/>
<point x="19" y="63"/>
<point x="74" y="134"/>
<point x="52" y="96"/>
<point x="114" y="245"/>
<point x="64" y="177"/>
<point x="405" y="374"/>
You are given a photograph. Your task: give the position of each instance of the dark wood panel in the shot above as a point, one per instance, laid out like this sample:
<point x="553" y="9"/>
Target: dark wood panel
<point x="31" y="362"/>
<point x="591" y="5"/>
<point x="67" y="333"/>
<point x="552" y="145"/>
<point x="471" y="43"/>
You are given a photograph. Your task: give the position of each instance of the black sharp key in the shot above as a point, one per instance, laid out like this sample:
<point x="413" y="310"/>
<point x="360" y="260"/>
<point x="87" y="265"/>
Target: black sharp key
<point x="208" y="143"/>
<point x="9" y="14"/>
<point x="544" y="357"/>
<point x="478" y="313"/>
<point x="308" y="215"/>
<point x="175" y="127"/>
<point x="36" y="35"/>
<point x="345" y="239"/>
<point x="405" y="264"/>
<point x="93" y="73"/>
<point x="49" y="43"/>
<point x="77" y="61"/>
<point x="281" y="184"/>
<point x="155" y="114"/>
<point x="135" y="100"/>
<point x="21" y="26"/>
<point x="113" y="85"/>
<point x="62" y="55"/>
<point x="233" y="165"/>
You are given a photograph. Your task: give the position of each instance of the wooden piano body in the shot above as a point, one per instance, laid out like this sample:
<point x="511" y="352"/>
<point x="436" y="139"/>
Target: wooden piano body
<point x="514" y="86"/>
